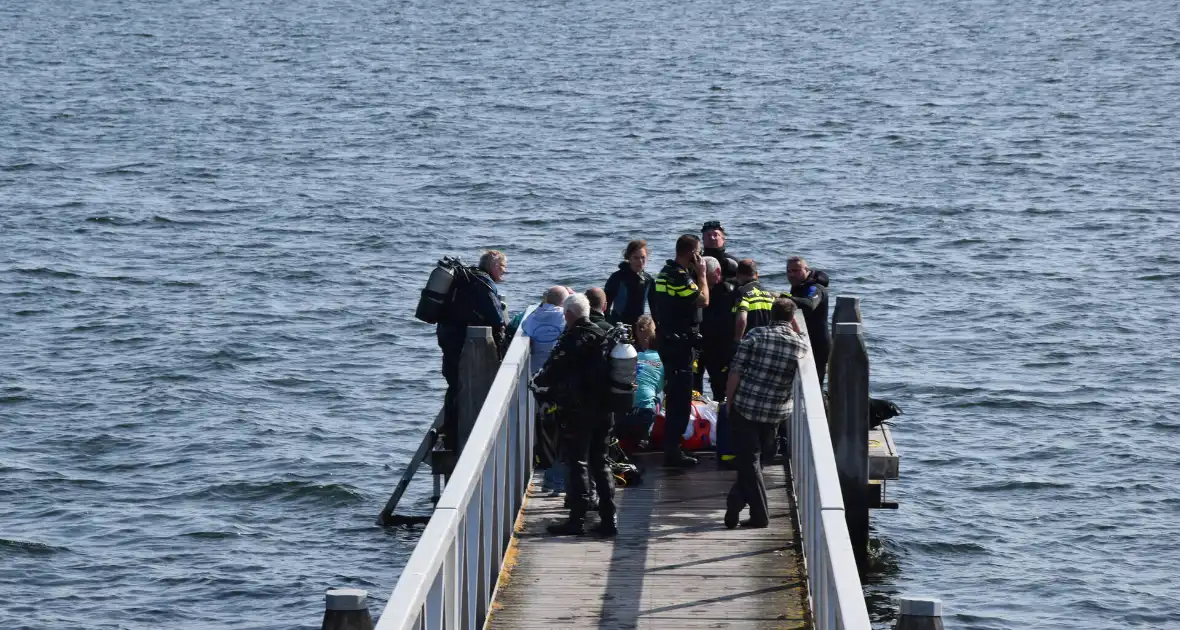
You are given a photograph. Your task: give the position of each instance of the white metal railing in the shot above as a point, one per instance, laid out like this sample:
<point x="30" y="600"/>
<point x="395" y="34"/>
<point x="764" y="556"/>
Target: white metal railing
<point x="833" y="583"/>
<point x="451" y="577"/>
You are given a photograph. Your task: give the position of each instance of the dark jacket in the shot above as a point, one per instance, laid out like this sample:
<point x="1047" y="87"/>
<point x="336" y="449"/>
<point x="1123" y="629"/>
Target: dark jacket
<point x="812" y="298"/>
<point x="476" y="303"/>
<point x="598" y="319"/>
<point x="755" y="302"/>
<point x="673" y="302"/>
<point x="717" y="318"/>
<point x="574" y="375"/>
<point x="626" y="293"/>
<point x="728" y="263"/>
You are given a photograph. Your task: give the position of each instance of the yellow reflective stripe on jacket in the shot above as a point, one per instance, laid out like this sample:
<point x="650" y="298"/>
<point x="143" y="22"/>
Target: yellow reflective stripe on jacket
<point x="758" y="300"/>
<point x="757" y="304"/>
<point x="677" y="290"/>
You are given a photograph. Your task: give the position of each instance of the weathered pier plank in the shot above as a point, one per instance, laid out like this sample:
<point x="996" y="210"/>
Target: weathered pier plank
<point x="673" y="565"/>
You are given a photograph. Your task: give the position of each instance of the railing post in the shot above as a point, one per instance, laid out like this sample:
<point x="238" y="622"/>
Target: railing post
<point x="346" y="609"/>
<point x="477" y="370"/>
<point x="847" y="311"/>
<point x="848" y="423"/>
<point x="920" y="614"/>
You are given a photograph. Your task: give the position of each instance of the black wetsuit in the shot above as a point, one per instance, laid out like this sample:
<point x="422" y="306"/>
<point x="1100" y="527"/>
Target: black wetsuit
<point x="717" y="345"/>
<point x="598" y="319"/>
<point x="573" y="378"/>
<point x="728" y="263"/>
<point x="626" y="293"/>
<point x="812" y="298"/>
<point x="476" y="303"/>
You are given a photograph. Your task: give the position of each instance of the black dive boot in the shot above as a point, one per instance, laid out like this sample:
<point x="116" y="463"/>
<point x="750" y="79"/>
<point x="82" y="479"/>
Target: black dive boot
<point x="605" y="529"/>
<point x="572" y="527"/>
<point x="679" y="459"/>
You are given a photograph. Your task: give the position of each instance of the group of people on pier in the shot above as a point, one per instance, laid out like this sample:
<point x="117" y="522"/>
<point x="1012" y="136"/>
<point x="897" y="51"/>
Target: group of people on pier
<point x="709" y="314"/>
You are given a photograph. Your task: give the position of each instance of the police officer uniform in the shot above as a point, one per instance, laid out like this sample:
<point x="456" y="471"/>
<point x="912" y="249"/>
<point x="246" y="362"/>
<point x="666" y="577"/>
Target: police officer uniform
<point x="678" y="321"/>
<point x="755" y="302"/>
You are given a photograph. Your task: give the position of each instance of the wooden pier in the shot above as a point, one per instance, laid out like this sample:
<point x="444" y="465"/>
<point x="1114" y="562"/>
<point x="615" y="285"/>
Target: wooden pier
<point x="485" y="559"/>
<point x="673" y="564"/>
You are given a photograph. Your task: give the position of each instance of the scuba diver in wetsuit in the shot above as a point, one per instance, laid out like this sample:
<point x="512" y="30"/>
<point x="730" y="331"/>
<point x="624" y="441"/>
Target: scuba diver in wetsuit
<point x="713" y="239"/>
<point x="477" y="302"/>
<point x="575" y="379"/>
<point x="809" y="291"/>
<point x="717" y="343"/>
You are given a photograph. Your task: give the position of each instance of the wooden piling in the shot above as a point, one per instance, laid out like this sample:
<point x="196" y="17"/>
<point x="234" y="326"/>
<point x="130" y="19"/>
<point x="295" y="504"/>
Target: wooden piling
<point x="346" y="609"/>
<point x="477" y="369"/>
<point x="848" y="423"/>
<point x="920" y="614"/>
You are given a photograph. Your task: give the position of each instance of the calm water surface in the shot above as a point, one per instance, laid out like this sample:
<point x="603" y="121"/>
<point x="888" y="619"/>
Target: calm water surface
<point x="215" y="217"/>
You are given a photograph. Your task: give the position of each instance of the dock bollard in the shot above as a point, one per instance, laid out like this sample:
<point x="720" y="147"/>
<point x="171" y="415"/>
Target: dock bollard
<point x="919" y="613"/>
<point x="848" y="424"/>
<point x="346" y="609"/>
<point x="478" y="365"/>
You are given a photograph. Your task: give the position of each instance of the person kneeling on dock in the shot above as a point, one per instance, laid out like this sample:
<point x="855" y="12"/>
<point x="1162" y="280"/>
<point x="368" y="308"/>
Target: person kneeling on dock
<point x="761" y="378"/>
<point x="634" y="427"/>
<point x="575" y="378"/>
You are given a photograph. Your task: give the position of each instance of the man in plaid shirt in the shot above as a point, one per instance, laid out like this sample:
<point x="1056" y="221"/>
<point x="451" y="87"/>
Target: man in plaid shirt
<point x="761" y="377"/>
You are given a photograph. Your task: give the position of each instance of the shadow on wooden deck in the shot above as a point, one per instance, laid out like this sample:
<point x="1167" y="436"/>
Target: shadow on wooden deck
<point x="673" y="565"/>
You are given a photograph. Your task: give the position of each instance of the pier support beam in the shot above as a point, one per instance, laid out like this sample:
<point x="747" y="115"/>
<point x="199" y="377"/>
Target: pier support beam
<point x="346" y="609"/>
<point x="477" y="369"/>
<point x="848" y="423"/>
<point x="920" y="614"/>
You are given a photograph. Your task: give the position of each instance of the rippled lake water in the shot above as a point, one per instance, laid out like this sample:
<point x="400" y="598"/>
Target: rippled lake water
<point x="215" y="217"/>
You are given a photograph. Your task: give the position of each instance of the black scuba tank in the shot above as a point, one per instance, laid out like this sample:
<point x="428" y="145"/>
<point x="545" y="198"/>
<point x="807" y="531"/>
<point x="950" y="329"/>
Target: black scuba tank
<point x="439" y="291"/>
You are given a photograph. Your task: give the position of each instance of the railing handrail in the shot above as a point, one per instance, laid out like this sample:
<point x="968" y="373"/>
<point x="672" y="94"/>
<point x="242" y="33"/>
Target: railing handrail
<point x="823" y="456"/>
<point x="833" y="580"/>
<point x="423" y="595"/>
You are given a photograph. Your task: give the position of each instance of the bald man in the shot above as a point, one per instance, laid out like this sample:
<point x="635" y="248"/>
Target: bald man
<point x="597" y="299"/>
<point x="544" y="326"/>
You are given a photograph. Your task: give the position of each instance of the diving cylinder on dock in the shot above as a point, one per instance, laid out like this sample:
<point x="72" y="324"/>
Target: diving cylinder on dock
<point x="437" y="293"/>
<point x="623" y="362"/>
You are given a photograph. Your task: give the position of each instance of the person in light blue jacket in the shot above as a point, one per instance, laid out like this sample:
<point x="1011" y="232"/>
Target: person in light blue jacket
<point x="544" y="326"/>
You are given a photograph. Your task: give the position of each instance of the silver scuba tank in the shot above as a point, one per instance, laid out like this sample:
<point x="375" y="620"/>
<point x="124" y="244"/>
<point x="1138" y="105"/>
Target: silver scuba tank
<point x="437" y="295"/>
<point x="623" y="362"/>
